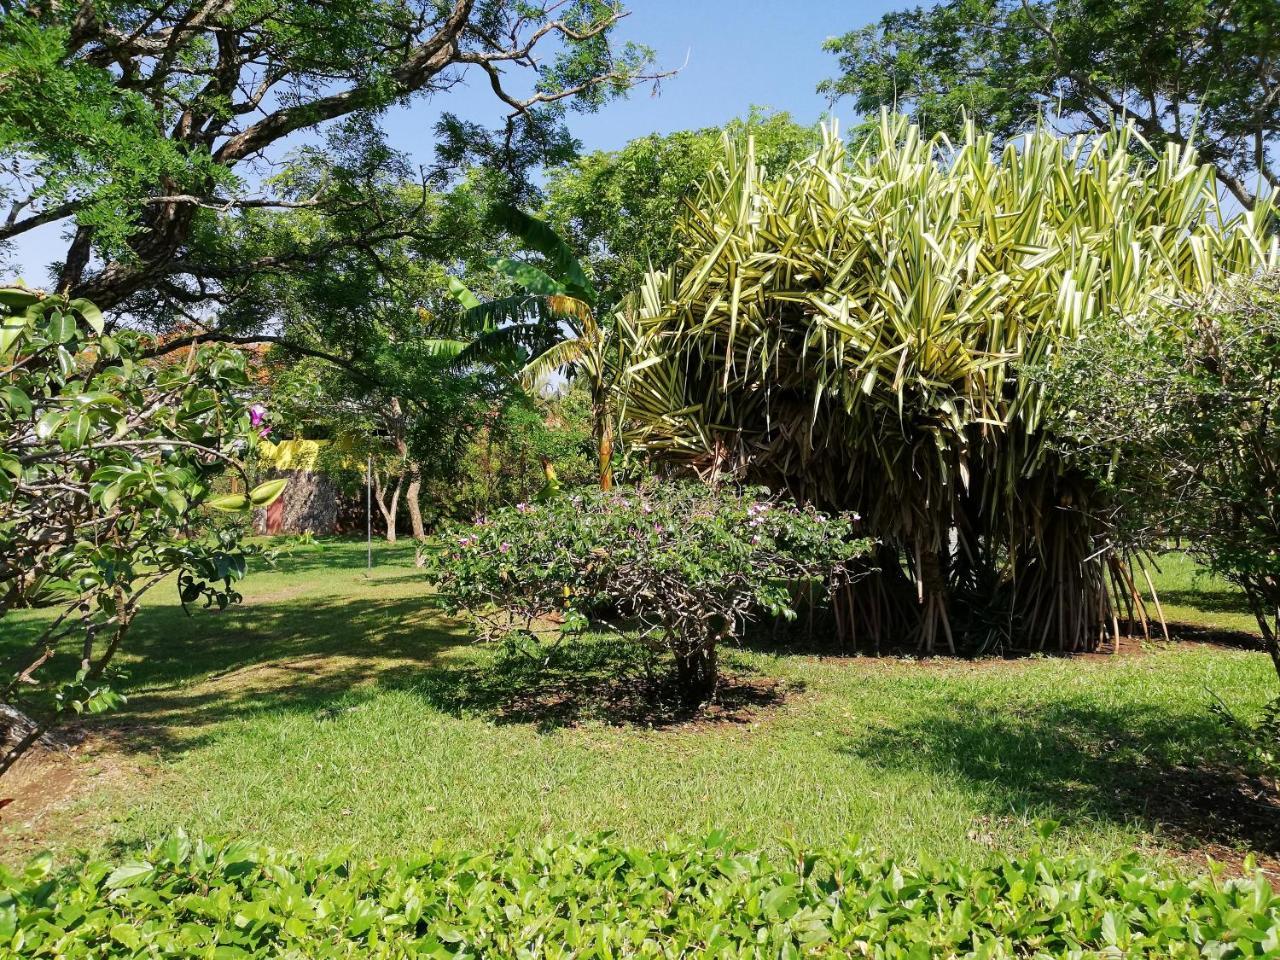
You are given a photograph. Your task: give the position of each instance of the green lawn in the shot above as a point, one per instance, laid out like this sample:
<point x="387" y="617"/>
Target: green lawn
<point x="337" y="708"/>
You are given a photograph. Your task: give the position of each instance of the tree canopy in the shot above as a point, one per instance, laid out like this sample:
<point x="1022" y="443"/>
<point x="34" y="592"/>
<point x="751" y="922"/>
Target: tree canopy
<point x="157" y="131"/>
<point x="619" y="208"/>
<point x="1184" y="71"/>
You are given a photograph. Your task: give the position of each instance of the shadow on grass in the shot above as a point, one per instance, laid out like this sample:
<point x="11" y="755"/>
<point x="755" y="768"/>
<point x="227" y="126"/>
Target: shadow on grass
<point x="1216" y="600"/>
<point x="607" y="680"/>
<point x="1076" y="761"/>
<point x="186" y="675"/>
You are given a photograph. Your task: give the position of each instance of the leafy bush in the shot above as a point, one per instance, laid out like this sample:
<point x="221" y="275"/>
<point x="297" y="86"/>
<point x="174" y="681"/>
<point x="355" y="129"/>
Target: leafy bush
<point x="1192" y="400"/>
<point x="689" y="565"/>
<point x="593" y="898"/>
<point x="107" y="459"/>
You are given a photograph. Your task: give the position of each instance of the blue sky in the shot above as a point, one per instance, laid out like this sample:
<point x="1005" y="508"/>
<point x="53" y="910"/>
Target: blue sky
<point x="740" y="53"/>
<point x="734" y="54"/>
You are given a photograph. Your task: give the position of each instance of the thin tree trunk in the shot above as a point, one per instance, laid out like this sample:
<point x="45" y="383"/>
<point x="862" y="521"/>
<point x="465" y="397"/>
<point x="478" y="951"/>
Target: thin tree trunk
<point x="604" y="438"/>
<point x="388" y="510"/>
<point x="413" y="494"/>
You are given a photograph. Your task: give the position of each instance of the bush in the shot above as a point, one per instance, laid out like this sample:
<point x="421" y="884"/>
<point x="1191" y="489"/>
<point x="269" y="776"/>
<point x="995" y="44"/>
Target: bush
<point x="593" y="898"/>
<point x="687" y="564"/>
<point x="1180" y="418"/>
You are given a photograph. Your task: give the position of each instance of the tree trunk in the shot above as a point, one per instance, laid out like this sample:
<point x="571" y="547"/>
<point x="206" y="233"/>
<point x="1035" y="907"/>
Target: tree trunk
<point x="388" y="510"/>
<point x="413" y="501"/>
<point x="412" y="493"/>
<point x="604" y="438"/>
<point x="697" y="673"/>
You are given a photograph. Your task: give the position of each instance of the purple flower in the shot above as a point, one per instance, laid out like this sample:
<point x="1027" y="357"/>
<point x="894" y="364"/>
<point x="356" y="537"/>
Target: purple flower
<point x="523" y="508"/>
<point x="264" y="433"/>
<point x="503" y="547"/>
<point x="257" y="413"/>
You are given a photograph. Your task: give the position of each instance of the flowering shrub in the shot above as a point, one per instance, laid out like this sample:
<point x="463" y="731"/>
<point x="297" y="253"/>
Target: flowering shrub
<point x="686" y="565"/>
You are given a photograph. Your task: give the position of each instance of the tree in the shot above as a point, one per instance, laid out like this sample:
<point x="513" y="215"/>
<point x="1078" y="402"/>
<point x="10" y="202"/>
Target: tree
<point x="1179" y="419"/>
<point x="546" y="300"/>
<point x="507" y="460"/>
<point x="618" y="209"/>
<point x="1183" y="71"/>
<point x="141" y="124"/>
<point x="853" y="329"/>
<point x="106" y="466"/>
<point x="414" y="419"/>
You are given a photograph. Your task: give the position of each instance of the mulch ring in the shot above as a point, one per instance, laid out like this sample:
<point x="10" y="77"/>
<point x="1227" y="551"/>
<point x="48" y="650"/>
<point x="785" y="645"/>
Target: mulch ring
<point x="641" y="701"/>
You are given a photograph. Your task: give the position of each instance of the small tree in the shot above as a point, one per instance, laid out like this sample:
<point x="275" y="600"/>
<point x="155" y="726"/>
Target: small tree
<point x="1180" y="419"/>
<point x="686" y="565"/>
<point x="106" y="464"/>
<point x="561" y="296"/>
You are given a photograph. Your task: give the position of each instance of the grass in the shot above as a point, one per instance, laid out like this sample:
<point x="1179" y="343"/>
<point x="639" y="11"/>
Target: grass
<point x="338" y="708"/>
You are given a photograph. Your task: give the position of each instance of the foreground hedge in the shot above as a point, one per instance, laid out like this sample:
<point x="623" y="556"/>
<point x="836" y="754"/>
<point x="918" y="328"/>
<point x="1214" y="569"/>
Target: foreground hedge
<point x="593" y="898"/>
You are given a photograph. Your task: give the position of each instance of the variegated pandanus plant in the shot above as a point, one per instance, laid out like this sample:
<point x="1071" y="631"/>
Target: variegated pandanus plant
<point x="854" y="328"/>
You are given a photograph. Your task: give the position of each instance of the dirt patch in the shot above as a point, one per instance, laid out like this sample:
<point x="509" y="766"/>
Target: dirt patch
<point x="1217" y="814"/>
<point x="651" y="703"/>
<point x="60" y="793"/>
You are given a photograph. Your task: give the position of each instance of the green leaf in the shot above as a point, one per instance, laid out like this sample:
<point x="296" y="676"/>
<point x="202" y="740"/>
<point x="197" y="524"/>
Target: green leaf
<point x="529" y="277"/>
<point x="130" y="873"/>
<point x="231" y="502"/>
<point x="540" y="237"/>
<point x="265" y="494"/>
<point x="89" y="310"/>
<point x="48" y="424"/>
<point x="10" y="329"/>
<point x="19" y="297"/>
<point x="462" y="293"/>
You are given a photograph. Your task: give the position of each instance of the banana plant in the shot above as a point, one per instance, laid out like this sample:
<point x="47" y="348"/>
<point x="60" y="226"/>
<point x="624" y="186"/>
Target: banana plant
<point x="557" y="298"/>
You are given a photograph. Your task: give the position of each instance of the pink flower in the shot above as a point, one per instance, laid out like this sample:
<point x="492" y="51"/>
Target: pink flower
<point x="257" y="413"/>
<point x="503" y="547"/>
<point x="523" y="508"/>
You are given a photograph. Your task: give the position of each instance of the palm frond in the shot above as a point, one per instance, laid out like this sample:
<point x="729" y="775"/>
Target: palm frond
<point x="554" y="360"/>
<point x="539" y="236"/>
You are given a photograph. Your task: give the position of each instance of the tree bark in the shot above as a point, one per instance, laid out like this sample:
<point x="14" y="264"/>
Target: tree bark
<point x="604" y="438"/>
<point x="412" y="494"/>
<point x="387" y="509"/>
<point x="697" y="673"/>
